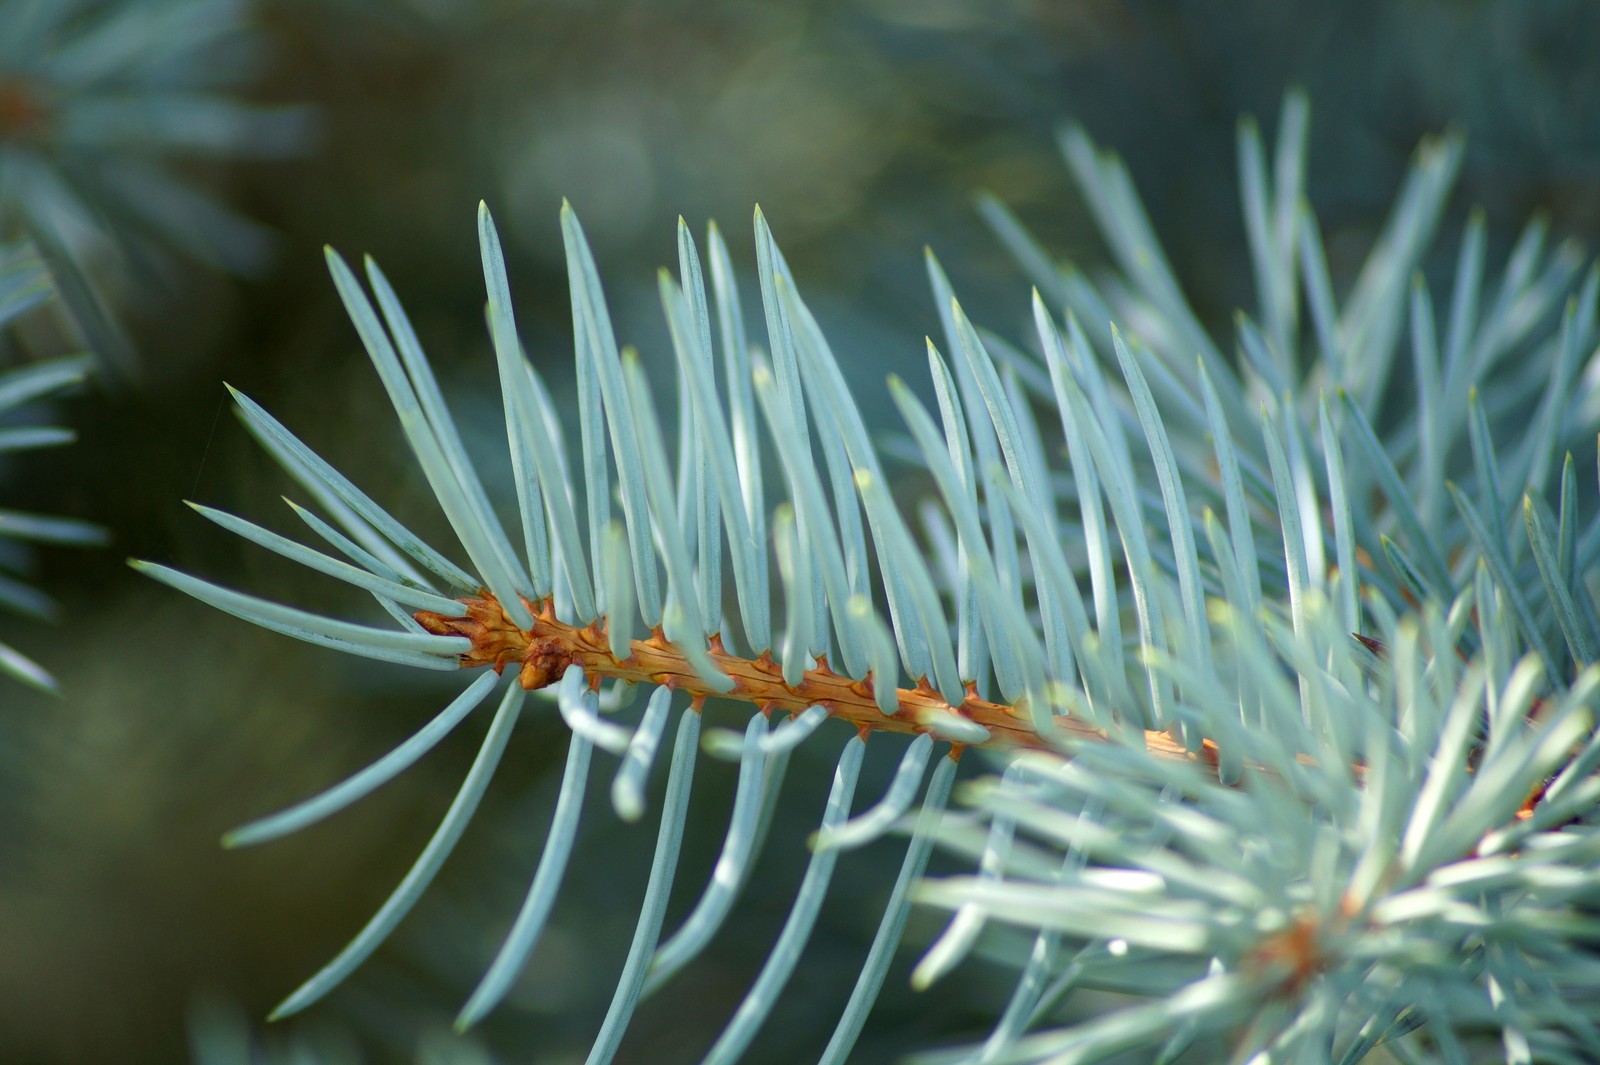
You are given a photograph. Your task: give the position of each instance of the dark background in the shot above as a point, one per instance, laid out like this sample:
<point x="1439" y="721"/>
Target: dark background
<point x="862" y="128"/>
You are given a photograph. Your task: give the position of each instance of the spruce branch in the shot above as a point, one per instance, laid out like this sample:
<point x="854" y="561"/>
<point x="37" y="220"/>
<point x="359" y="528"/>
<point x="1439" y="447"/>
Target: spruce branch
<point x="1309" y="764"/>
<point x="542" y="653"/>
<point x="1405" y="852"/>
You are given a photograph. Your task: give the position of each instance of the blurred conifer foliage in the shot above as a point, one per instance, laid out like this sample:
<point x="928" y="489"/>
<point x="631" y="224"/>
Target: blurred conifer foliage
<point x="24" y="286"/>
<point x="110" y="113"/>
<point x="1409" y="479"/>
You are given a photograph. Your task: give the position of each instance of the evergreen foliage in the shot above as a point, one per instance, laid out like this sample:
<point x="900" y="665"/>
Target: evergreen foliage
<point x="100" y="104"/>
<point x="1285" y="660"/>
<point x="24" y="285"/>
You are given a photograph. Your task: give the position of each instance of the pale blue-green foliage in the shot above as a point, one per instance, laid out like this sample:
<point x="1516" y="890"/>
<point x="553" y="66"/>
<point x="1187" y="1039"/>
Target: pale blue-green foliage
<point x="1425" y="460"/>
<point x="637" y="540"/>
<point x="1380" y="815"/>
<point x="1359" y="872"/>
<point x="1426" y="899"/>
<point x="24" y="284"/>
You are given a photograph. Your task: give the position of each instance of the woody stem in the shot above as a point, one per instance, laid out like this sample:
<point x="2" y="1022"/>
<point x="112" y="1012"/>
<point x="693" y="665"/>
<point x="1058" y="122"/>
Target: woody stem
<point x="543" y="652"/>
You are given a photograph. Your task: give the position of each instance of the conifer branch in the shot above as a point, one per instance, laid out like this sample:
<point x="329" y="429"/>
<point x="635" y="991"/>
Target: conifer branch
<point x="1380" y="664"/>
<point x="542" y="653"/>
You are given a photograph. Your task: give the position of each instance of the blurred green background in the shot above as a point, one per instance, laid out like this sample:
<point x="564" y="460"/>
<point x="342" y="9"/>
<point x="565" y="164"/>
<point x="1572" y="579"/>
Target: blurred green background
<point x="862" y="128"/>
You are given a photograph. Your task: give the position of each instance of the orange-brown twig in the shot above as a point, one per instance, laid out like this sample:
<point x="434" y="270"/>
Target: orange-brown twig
<point x="543" y="652"/>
